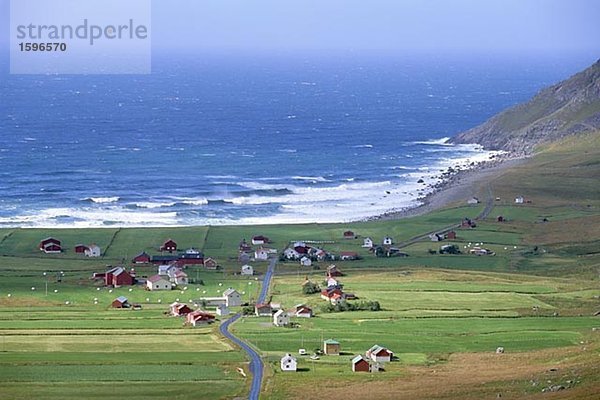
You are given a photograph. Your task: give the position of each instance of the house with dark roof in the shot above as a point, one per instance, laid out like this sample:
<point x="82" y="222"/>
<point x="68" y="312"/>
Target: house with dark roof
<point x="50" y="245"/>
<point x="117" y="277"/>
<point x="178" y="309"/>
<point x="142" y="258"/>
<point x="379" y="354"/>
<point x="169" y="245"/>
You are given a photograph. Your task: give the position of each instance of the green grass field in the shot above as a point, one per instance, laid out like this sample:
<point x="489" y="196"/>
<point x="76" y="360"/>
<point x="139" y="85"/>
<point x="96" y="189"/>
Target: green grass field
<point x="61" y="340"/>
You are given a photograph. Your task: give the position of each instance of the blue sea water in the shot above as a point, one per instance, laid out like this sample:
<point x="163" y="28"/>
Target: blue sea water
<point x="230" y="139"/>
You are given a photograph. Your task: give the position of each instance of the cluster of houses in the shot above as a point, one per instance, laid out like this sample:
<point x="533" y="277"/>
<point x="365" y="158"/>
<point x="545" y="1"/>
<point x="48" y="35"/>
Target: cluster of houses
<point x="170" y="256"/>
<point x="262" y="252"/>
<point x="280" y="316"/>
<point x="334" y="292"/>
<point x="372" y="361"/>
<point x="51" y="245"/>
<point x="192" y="317"/>
<point x="306" y="254"/>
<point x="438" y="237"/>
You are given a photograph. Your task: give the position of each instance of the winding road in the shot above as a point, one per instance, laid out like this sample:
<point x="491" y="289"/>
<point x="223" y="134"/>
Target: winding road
<point x="256" y="363"/>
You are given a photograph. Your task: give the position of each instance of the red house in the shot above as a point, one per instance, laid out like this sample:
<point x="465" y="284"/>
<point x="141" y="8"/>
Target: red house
<point x="120" y="302"/>
<point x="80" y="248"/>
<point x="360" y="364"/>
<point x="198" y="318"/>
<point x="349" y="235"/>
<point x="50" y="245"/>
<point x="169" y="246"/>
<point x="117" y="277"/>
<point x="178" y="309"/>
<point x="211" y="264"/>
<point x="451" y="235"/>
<point x="142" y="258"/>
<point x="333" y="270"/>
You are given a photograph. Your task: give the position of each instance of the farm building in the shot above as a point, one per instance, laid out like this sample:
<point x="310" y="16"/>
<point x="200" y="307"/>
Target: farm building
<point x="261" y="254"/>
<point x="169" y="245"/>
<point x="257" y="240"/>
<point x="80" y="248"/>
<point x="379" y="354"/>
<point x="196" y="318"/>
<point x="349" y="235"/>
<point x="451" y="235"/>
<point x="244" y="246"/>
<point x="387" y="241"/>
<point x="360" y="364"/>
<point x="177" y="276"/>
<point x="158" y="282"/>
<point x="190" y="257"/>
<point x="247" y="270"/>
<point x="331" y="347"/>
<point x="120" y="302"/>
<point x="142" y="258"/>
<point x="434" y="237"/>
<point x="332" y="282"/>
<point x="232" y="298"/>
<point x="303" y="311"/>
<point x="519" y="200"/>
<point x="473" y="201"/>
<point x="305" y="261"/>
<point x="288" y="363"/>
<point x="367" y="242"/>
<point x="92" y="251"/>
<point x="178" y="309"/>
<point x="263" y="310"/>
<point x="478" y="251"/>
<point x="281" y="318"/>
<point x="210" y="264"/>
<point x="333" y="270"/>
<point x="117" y="277"/>
<point x="50" y="245"/>
<point x="291" y="254"/>
<point x="159" y="260"/>
<point x="348" y="255"/>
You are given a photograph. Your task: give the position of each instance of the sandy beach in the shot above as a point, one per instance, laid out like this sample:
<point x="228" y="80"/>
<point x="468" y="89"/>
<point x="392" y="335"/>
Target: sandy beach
<point x="458" y="187"/>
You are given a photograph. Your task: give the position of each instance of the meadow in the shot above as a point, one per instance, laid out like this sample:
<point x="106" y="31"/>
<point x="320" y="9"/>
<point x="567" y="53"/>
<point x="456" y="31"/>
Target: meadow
<point x="441" y="314"/>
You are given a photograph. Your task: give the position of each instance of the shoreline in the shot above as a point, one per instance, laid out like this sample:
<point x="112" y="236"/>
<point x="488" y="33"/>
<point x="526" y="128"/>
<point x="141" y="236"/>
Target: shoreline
<point x="457" y="186"/>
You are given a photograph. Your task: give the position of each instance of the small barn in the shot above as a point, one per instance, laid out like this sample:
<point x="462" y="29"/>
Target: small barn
<point x="281" y="318"/>
<point x="178" y="309"/>
<point x="360" y="364"/>
<point x="349" y="235"/>
<point x="519" y="200"/>
<point x="196" y="318"/>
<point x="80" y="248"/>
<point x="117" y="277"/>
<point x="50" y="245"/>
<point x="331" y="347"/>
<point x="451" y="235"/>
<point x="263" y="310"/>
<point x="259" y="239"/>
<point x="379" y="354"/>
<point x="120" y="302"/>
<point x="247" y="270"/>
<point x="169" y="245"/>
<point x="303" y="311"/>
<point x="288" y="363"/>
<point x="142" y="258"/>
<point x="210" y="264"/>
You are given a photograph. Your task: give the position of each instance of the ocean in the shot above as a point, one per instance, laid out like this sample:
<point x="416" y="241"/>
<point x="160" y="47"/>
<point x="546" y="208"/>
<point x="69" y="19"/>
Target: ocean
<point x="247" y="139"/>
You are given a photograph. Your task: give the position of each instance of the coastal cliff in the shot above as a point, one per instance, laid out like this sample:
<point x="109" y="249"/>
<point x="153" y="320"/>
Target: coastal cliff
<point x="567" y="108"/>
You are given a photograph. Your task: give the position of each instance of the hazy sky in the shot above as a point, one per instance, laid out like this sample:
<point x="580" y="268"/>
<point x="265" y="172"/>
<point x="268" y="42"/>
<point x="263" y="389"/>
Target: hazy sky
<point x="428" y="25"/>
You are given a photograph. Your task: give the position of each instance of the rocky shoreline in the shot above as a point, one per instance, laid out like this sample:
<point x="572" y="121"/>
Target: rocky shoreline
<point x="457" y="185"/>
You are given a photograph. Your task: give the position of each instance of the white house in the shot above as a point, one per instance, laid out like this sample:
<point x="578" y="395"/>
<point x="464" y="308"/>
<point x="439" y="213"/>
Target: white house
<point x="367" y="242"/>
<point x="164" y="269"/>
<point x="305" y="262"/>
<point x="473" y="200"/>
<point x="288" y="363"/>
<point x="192" y="251"/>
<point x="232" y="298"/>
<point x="388" y="241"/>
<point x="261" y="254"/>
<point x="177" y="276"/>
<point x="332" y="282"/>
<point x="256" y="240"/>
<point x="158" y="282"/>
<point x="519" y="200"/>
<point x="92" y="251"/>
<point x="291" y="254"/>
<point x="379" y="354"/>
<point x="281" y="318"/>
<point x="247" y="270"/>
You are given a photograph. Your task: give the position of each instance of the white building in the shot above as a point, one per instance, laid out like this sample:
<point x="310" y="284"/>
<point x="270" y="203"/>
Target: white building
<point x="281" y="318"/>
<point x="305" y="262"/>
<point x="222" y="310"/>
<point x="247" y="270"/>
<point x="388" y="241"/>
<point x="232" y="298"/>
<point x="92" y="251"/>
<point x="519" y="200"/>
<point x="288" y="363"/>
<point x="158" y="282"/>
<point x="367" y="242"/>
<point x="261" y="254"/>
<point x="473" y="200"/>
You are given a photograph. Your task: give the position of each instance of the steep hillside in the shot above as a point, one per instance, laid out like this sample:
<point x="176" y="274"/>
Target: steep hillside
<point x="569" y="107"/>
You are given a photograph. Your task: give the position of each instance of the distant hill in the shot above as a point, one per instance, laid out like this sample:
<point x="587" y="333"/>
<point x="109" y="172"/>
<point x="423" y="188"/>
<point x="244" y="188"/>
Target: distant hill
<point x="567" y="108"/>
